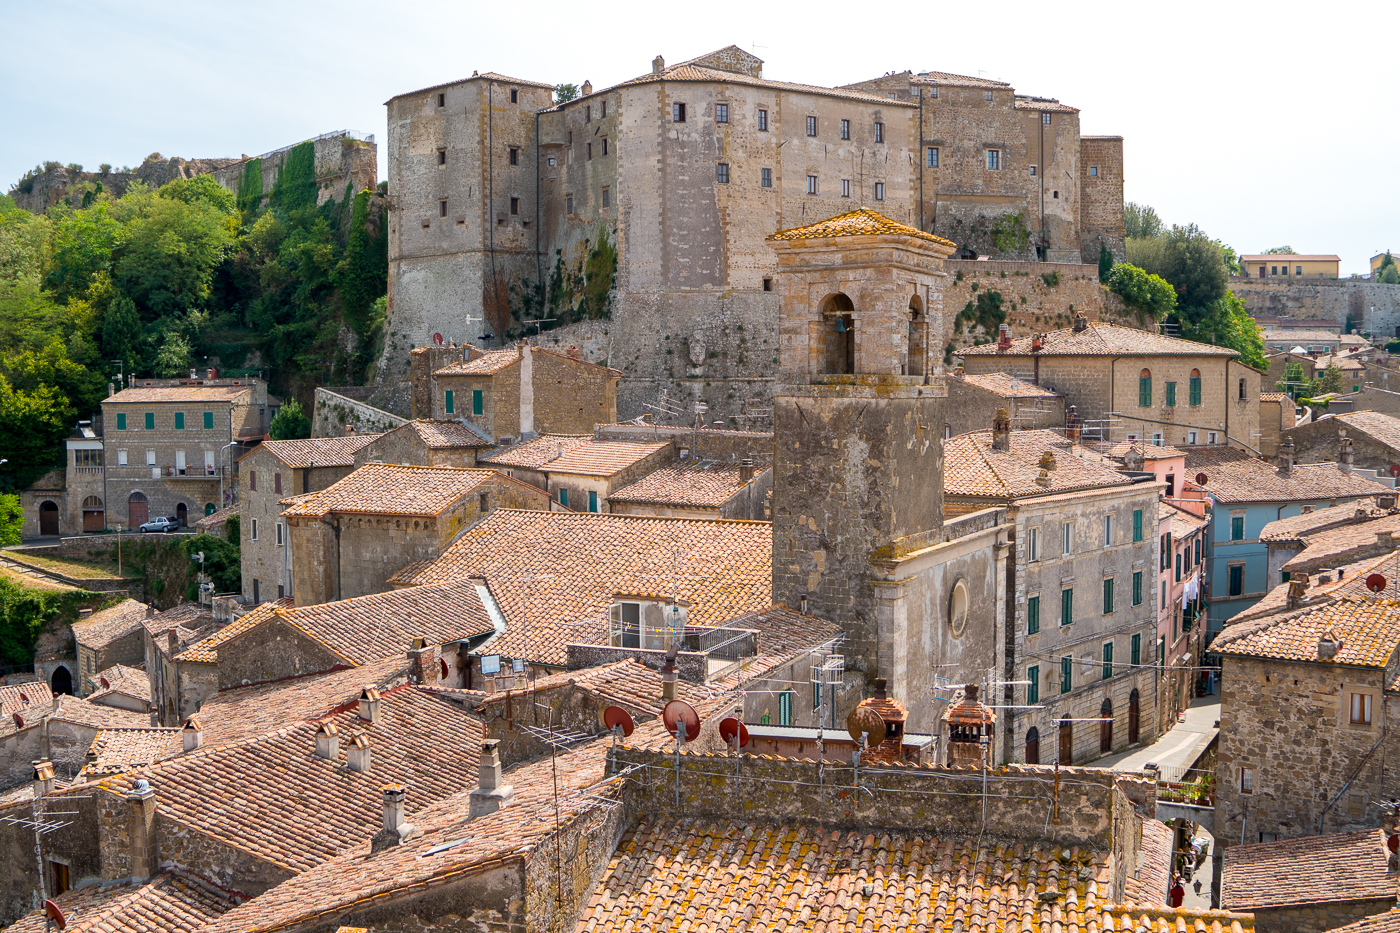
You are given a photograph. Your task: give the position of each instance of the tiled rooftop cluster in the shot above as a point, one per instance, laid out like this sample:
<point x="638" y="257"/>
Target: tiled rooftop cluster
<point x="973" y="468"/>
<point x="1099" y="339"/>
<point x="169" y="903"/>
<point x="1235" y="476"/>
<point x="391" y="489"/>
<point x="695" y="483"/>
<point x="318" y="451"/>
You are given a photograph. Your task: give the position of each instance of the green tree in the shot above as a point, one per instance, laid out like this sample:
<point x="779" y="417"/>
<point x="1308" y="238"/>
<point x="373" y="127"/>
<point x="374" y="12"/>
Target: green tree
<point x="1141" y="221"/>
<point x="201" y="190"/>
<point x="1331" y="380"/>
<point x="1226" y="323"/>
<point x="565" y="92"/>
<point x="32" y="428"/>
<point x="1280" y="251"/>
<point x="81" y="247"/>
<point x="1386" y="272"/>
<point x="1105" y="261"/>
<point x="290" y="424"/>
<point x="1151" y="296"/>
<point x="174" y="356"/>
<point x="1195" y="265"/>
<point x="169" y="252"/>
<point x="122" y="337"/>
<point x="221" y="561"/>
<point x="11" y="519"/>
<point x="1295" y="382"/>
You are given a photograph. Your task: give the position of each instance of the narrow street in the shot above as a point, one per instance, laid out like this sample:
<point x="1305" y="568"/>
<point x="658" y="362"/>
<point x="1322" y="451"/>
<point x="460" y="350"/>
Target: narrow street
<point x="1178" y="748"/>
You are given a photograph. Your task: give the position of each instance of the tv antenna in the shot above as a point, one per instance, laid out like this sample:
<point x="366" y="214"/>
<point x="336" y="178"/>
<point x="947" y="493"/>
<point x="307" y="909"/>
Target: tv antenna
<point x="683" y="722"/>
<point x="668" y="409"/>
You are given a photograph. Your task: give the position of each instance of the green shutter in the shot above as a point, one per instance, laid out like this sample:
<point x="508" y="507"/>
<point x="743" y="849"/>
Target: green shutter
<point x="1108" y="595"/>
<point x="478" y="402"/>
<point x="447" y="402"/>
<point x="1196" y="390"/>
<point x="179" y="421"/>
<point x="1286" y="576"/>
<point x="1137" y="650"/>
<point x="1171" y="394"/>
<point x="1237" y="528"/>
<point x="150" y="421"/>
<point x="817" y="693"/>
<point x="1107" y="660"/>
<point x="592" y="501"/>
<point x="121" y="421"/>
<point x="1033" y="615"/>
<point x="785" y="708"/>
<point x="1162" y="652"/>
<point x="1137" y="525"/>
<point x="208" y="421"/>
<point x="1144" y="392"/>
<point x="1033" y="685"/>
<point x="1137" y="587"/>
<point x="1066" y="674"/>
<point x="1178" y="568"/>
<point x="564" y="497"/>
<point x="1067" y="606"/>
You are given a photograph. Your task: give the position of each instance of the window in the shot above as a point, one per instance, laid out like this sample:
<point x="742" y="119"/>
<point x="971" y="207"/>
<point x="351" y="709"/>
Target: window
<point x="478" y="402"/>
<point x="279" y="534"/>
<point x="785" y="708"/>
<point x="442" y="100"/>
<point x="252" y="478"/>
<point x="1195" y="388"/>
<point x="816" y="694"/>
<point x="150" y="421"/>
<point x="1246" y="780"/>
<point x="932" y="157"/>
<point x="442" y="207"/>
<point x="678" y="113"/>
<point x="812" y="126"/>
<point x="1360" y="709"/>
<point x="277" y="482"/>
<point x="767" y="285"/>
<point x="1045" y="119"/>
<point x="1137" y="587"/>
<point x="1067" y="606"/>
<point x="483" y="503"/>
<point x="1066" y="538"/>
<point x="1212" y="437"/>
<point x="1198" y="550"/>
<point x="1242" y="394"/>
<point x="1164" y="552"/>
<point x="605" y="145"/>
<point x="811" y="184"/>
<point x="1137" y="525"/>
<point x="515" y="206"/>
<point x="179" y="421"/>
<point x="765" y="177"/>
<point x="1273" y="270"/>
<point x="1135" y="655"/>
<point x="989" y="95"/>
<point x="1145" y="389"/>
<point x="845" y="187"/>
<point x="208" y="421"/>
<point x="603" y="110"/>
<point x="762" y="121"/>
<point x="879" y="191"/>
<point x="1236" y="579"/>
<point x="1190" y="437"/>
<point x="1032" y="170"/>
<point x="1033" y="615"/>
<point x="255" y="529"/>
<point x="1108" y="531"/>
<point x="59" y="871"/>
<point x="121" y="421"/>
<point x="588" y="151"/>
<point x="721" y="113"/>
<point x="1299" y="270"/>
<point x="514" y="96"/>
<point x="514" y="156"/>
<point x="592" y="501"/>
<point x="1033" y="544"/>
<point x="1171" y="394"/>
<point x="1164" y="595"/>
<point x="1107" y="595"/>
<point x="1066" y="674"/>
<point x="448" y="404"/>
<point x="563" y="497"/>
<point x="1033" y="684"/>
<point x="442" y="156"/>
<point x="1107" y="660"/>
<point x="879" y="132"/>
<point x="569" y="204"/>
<point x="121" y="457"/>
<point x="1236" y="526"/>
<point x="150" y="458"/>
<point x="1093" y="171"/>
<point x="607" y="198"/>
<point x="722" y="173"/>
<point x="1178" y="566"/>
<point x="993" y="159"/>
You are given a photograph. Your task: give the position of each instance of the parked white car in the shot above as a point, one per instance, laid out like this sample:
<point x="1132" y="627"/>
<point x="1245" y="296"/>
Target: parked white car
<point x="167" y="523"/>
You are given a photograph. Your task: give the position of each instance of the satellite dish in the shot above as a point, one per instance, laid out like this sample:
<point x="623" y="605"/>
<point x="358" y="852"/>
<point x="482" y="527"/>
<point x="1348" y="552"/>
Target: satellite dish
<point x="615" y="716"/>
<point x="678" y="711"/>
<point x="864" y="721"/>
<point x="54" y="913"/>
<point x="1395" y="469"/>
<point x="1202" y="479"/>
<point x="437" y="340"/>
<point x="1375" y="582"/>
<point x="731" y="728"/>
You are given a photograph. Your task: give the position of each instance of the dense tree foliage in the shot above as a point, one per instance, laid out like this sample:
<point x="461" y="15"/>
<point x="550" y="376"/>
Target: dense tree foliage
<point x="1386" y="272"/>
<point x="1141" y="221"/>
<point x="1150" y="296"/>
<point x="290" y="424"/>
<point x="11" y="519"/>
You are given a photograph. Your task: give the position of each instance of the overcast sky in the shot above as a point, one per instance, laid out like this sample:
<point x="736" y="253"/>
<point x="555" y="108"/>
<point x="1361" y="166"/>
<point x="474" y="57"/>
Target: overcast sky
<point x="1266" y="125"/>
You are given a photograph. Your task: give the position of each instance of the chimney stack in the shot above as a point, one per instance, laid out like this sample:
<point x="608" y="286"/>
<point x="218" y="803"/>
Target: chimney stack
<point x="328" y="741"/>
<point x="1003" y="338"/>
<point x="358" y="756"/>
<point x="1081" y="323"/>
<point x="491" y="795"/>
<point x="586" y="89"/>
<point x="1001" y="430"/>
<point x="1297" y="590"/>
<point x="172" y="641"/>
<point x="1346" y="454"/>
<point x="1386" y="539"/>
<point x="668" y="675"/>
<point x="141" y="801"/>
<point x="1286" y="450"/>
<point x="192" y="734"/>
<point x="43" y="778"/>
<point x="746" y="470"/>
<point x="350" y="429"/>
<point x="150" y="612"/>
<point x="802" y="602"/>
<point x="1386" y="502"/>
<point x="1037" y="343"/>
<point x="395" y="828"/>
<point x="658" y="65"/>
<point x="423" y="662"/>
<point x="1072" y="425"/>
<point x="1327" y="646"/>
<point x="369" y="704"/>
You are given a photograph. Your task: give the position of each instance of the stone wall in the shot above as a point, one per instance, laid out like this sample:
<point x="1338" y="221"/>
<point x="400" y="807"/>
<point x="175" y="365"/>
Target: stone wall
<point x="271" y="651"/>
<point x="707" y="444"/>
<point x="60" y="183"/>
<point x="1032" y="304"/>
<point x="1320" y="442"/>
<point x="1315" y="918"/>
<point x="1374" y="307"/>
<point x="334" y="414"/>
<point x="1101" y="198"/>
<point x="341" y="158"/>
<point x="228" y="866"/>
<point x="971" y="408"/>
<point x="74" y="843"/>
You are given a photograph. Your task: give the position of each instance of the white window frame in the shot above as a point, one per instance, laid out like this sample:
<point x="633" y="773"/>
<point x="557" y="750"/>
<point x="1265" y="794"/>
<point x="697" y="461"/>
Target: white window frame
<point x="150" y="458"/>
<point x="845" y="188"/>
<point x="993" y="160"/>
<point x="1067" y="538"/>
<point x="255" y="529"/>
<point x="1108" y="530"/>
<point x="121" y="456"/>
<point x="1246" y="780"/>
<point x="813" y="186"/>
<point x="1360" y="709"/>
<point x="280" y="539"/>
<point x="1033" y="544"/>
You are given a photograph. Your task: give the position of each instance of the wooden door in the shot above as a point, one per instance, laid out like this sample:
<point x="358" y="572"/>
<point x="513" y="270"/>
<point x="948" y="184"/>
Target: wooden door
<point x="1106" y="727"/>
<point x="1066" y="742"/>
<point x="182" y="514"/>
<point x="1133" y="714"/>
<point x="1033" y="746"/>
<point x="48" y="518"/>
<point x="138" y="511"/>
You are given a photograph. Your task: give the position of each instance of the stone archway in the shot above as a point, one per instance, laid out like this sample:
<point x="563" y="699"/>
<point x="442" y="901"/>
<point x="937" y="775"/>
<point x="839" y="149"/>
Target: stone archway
<point x="839" y="334"/>
<point x="48" y="517"/>
<point x="61" y="680"/>
<point x="138" y="510"/>
<point x="94" y="517"/>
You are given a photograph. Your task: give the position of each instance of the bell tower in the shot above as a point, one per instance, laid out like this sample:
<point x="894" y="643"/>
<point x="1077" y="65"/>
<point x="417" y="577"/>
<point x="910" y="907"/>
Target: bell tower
<point x="857" y="416"/>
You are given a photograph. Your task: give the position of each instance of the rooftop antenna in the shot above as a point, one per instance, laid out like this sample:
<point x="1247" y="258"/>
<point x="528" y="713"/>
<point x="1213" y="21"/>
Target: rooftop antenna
<point x="667" y="408"/>
<point x="619" y="722"/>
<point x="683" y="722"/>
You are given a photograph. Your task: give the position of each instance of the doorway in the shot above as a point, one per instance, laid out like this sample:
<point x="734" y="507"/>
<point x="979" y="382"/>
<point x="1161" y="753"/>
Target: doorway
<point x="182" y="514"/>
<point x="1066" y="742"/>
<point x="61" y="680"/>
<point x="94" y="519"/>
<point x="1033" y="746"/>
<point x="1133" y="714"/>
<point x="138" y="510"/>
<point x="48" y="517"/>
<point x="1106" y="727"/>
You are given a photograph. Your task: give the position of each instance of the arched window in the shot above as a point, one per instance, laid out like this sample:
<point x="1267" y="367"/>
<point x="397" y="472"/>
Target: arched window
<point x="1032" y="746"/>
<point x="92" y="502"/>
<point x="209" y="508"/>
<point x="917" y="353"/>
<point x="1106" y="726"/>
<point x="839" y="335"/>
<point x="1195" y="388"/>
<point x="1145" y="389"/>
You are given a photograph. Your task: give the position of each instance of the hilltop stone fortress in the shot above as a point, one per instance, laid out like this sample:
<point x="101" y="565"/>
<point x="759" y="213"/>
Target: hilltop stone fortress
<point x="684" y="171"/>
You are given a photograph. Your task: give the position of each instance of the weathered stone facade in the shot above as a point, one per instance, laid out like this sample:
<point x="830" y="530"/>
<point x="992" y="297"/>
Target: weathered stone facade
<point x="1373" y="307"/>
<point x="341" y="159"/>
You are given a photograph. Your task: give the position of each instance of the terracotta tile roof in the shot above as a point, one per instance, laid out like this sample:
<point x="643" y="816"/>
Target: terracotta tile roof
<point x="1150" y="883"/>
<point x="1183" y="522"/>
<point x="1373" y="424"/>
<point x="178" y="394"/>
<point x="1300" y="527"/>
<point x="489" y="363"/>
<point x="536" y="452"/>
<point x="971" y="468"/>
<point x="367" y="628"/>
<point x="440" y="435"/>
<point x="1040" y="103"/>
<point x="768" y="877"/>
<point x="275" y="799"/>
<point x="322" y="451"/>
<point x="1368" y="627"/>
<point x="951" y="80"/>
<point x="1283" y="397"/>
<point x="121" y="679"/>
<point x="189" y="616"/>
<point x="629" y="683"/>
<point x="105" y="626"/>
<point x="217" y="517"/>
<point x="1235" y="476"/>
<point x="686" y="71"/>
<point x="1148" y="451"/>
<point x="1295" y="337"/>
<point x="783" y="631"/>
<point x="603" y="458"/>
<point x="73" y="710"/>
<point x="860" y="222"/>
<point x="1353" y="583"/>
<point x="1344" y="544"/>
<point x="116" y="750"/>
<point x="1007" y="385"/>
<point x="392" y="489"/>
<point x="1307" y="870"/>
<point x="15" y="697"/>
<point x="1099" y="339"/>
<point x="246" y="712"/>
<point x="1388" y="922"/>
<point x="577" y="563"/>
<point x="170" y="903"/>
<point x="700" y="483"/>
<point x="206" y="650"/>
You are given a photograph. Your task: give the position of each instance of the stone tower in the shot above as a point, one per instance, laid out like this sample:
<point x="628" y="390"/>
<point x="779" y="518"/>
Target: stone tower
<point x="857" y="418"/>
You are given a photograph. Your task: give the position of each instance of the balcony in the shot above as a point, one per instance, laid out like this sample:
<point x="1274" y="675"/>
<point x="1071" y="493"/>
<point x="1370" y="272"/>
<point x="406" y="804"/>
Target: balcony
<point x="189" y="473"/>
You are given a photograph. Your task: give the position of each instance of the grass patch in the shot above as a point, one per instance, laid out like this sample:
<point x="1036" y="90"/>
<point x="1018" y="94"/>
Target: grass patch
<point x="33" y="583"/>
<point x="78" y="569"/>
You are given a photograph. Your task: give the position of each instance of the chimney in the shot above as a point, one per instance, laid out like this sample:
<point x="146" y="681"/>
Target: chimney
<point x="43" y="778"/>
<point x="1001" y="430"/>
<point x="141" y="801"/>
<point x="369" y="704"/>
<point x="492" y="794"/>
<point x="1047" y="461"/>
<point x="395" y="828"/>
<point x="746" y="469"/>
<point x="328" y="741"/>
<point x="111" y="390"/>
<point x="802" y="602"/>
<point x="1072" y="426"/>
<point x="1043" y="479"/>
<point x="422" y="662"/>
<point x="1346" y="454"/>
<point x="1327" y="646"/>
<point x="150" y="612"/>
<point x="1386" y="539"/>
<point x="1037" y="343"/>
<point x="1297" y="590"/>
<point x="658" y="65"/>
<point x="573" y="353"/>
<point x="1386" y="502"/>
<point x="1081" y="323"/>
<point x="155" y="715"/>
<point x="350" y="429"/>
<point x="1286" y="450"/>
<point x="586" y="89"/>
<point x="192" y="734"/>
<point x="1003" y="338"/>
<point x="668" y="675"/>
<point x="172" y="641"/>
<point x="358" y="756"/>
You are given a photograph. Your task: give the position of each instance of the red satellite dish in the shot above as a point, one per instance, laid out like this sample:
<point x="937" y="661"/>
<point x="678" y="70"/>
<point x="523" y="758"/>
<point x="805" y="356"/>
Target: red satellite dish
<point x="55" y="913"/>
<point x="1375" y="582"/>
<point x="1395" y="469"/>
<point x="615" y="716"/>
<point x="1393" y="843"/>
<point x="731" y="728"/>
<point x="1201" y="479"/>
<point x="678" y="711"/>
<point x="437" y="340"/>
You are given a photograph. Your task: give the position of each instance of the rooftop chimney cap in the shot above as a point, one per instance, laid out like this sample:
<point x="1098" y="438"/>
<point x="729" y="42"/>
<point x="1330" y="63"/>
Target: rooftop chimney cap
<point x="1081" y="323"/>
<point x="880" y="691"/>
<point x="658" y="65"/>
<point x="1328" y="646"/>
<point x="192" y="724"/>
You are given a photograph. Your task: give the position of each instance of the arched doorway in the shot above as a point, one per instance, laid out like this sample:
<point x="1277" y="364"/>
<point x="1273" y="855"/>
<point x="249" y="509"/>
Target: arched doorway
<point x="1066" y="742"/>
<point x="839" y="330"/>
<point x="182" y="514"/>
<point x="94" y="518"/>
<point x="48" y="517"/>
<point x="138" y="510"/>
<point x="209" y="508"/>
<point x="1106" y="726"/>
<point x="61" y="680"/>
<point x="1133" y="714"/>
<point x="1033" y="746"/>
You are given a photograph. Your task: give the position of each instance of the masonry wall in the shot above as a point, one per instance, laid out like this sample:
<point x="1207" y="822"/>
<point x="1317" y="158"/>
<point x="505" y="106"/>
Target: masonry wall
<point x="407" y="447"/>
<point x="1275" y="417"/>
<point x="265" y="563"/>
<point x="74" y="843"/>
<point x="1374" y="307"/>
<point x="1315" y="918"/>
<point x="272" y="651"/>
<point x="1036" y="297"/>
<point x="1372" y="398"/>
<point x="19" y="749"/>
<point x="333" y="415"/>
<point x="971" y="408"/>
<point x="489" y="900"/>
<point x="129" y="649"/>
<point x="225" y="865"/>
<point x="1320" y="442"/>
<point x="579" y="485"/>
<point x="1101" y="204"/>
<point x="340" y="159"/>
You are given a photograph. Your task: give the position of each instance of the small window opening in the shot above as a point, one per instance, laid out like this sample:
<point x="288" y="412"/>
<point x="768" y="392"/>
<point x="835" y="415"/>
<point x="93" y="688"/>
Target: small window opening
<point x="442" y="157"/>
<point x="515" y="205"/>
<point x="515" y="157"/>
<point x="514" y="96"/>
<point x="442" y="100"/>
<point x="442" y="208"/>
